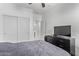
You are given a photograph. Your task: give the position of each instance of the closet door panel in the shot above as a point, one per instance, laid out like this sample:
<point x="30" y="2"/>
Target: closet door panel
<point x="23" y="29"/>
<point x="10" y="28"/>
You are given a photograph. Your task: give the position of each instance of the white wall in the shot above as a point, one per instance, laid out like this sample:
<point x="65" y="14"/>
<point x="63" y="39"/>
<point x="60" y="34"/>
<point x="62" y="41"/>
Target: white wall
<point x="14" y="10"/>
<point x="63" y="15"/>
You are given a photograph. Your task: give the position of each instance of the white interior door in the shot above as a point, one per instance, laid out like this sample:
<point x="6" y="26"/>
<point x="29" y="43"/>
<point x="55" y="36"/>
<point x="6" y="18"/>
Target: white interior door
<point x="37" y="26"/>
<point x="36" y="29"/>
<point x="23" y="29"/>
<point x="10" y="28"/>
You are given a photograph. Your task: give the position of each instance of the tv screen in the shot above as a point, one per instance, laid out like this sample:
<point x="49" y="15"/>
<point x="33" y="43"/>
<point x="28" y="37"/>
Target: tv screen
<point x="62" y="30"/>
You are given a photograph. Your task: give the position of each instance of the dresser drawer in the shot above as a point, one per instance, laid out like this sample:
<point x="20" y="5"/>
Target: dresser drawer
<point x="48" y="39"/>
<point x="60" y="42"/>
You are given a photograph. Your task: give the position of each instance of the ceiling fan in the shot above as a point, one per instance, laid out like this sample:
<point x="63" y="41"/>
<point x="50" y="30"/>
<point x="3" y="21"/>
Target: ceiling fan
<point x="43" y="4"/>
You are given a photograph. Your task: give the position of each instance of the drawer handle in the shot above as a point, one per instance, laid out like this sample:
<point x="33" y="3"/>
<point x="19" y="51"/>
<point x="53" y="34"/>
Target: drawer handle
<point x="61" y="46"/>
<point x="61" y="40"/>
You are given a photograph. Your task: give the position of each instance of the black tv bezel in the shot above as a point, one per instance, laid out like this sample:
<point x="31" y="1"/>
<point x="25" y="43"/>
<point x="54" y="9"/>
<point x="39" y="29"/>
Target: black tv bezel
<point x="69" y="35"/>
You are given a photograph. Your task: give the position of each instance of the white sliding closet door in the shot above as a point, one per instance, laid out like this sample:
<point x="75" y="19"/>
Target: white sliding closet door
<point x="10" y="28"/>
<point x="16" y="29"/>
<point x="23" y="29"/>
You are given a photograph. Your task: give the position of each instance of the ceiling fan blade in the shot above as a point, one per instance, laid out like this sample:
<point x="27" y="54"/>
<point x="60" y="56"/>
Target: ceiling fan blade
<point x="29" y="3"/>
<point x="43" y="5"/>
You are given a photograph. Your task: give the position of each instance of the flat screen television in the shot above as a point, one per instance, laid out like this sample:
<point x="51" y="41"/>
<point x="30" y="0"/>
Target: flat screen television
<point x="63" y="30"/>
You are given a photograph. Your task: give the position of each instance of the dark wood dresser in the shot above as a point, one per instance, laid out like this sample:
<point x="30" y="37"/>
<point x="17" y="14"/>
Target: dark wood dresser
<point x="60" y="42"/>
